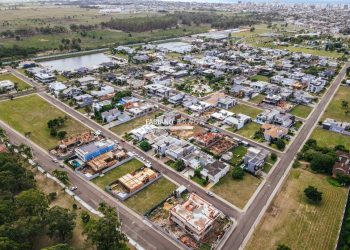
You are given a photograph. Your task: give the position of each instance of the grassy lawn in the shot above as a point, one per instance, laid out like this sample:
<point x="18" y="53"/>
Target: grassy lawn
<point x="334" y="109"/>
<point x="31" y="114"/>
<point x="249" y="130"/>
<point x="116" y="173"/>
<point x="135" y="123"/>
<point x="260" y="78"/>
<point x="327" y="138"/>
<point x="257" y="99"/>
<point x="301" y="111"/>
<point x="315" y="52"/>
<point x="246" y="110"/>
<point x="61" y="78"/>
<point x="238" y="154"/>
<point x="292" y="221"/>
<point x="21" y="85"/>
<point x="237" y="192"/>
<point x="151" y="196"/>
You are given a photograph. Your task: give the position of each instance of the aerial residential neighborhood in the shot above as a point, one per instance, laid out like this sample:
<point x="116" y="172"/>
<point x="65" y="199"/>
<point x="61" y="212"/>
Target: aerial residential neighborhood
<point x="174" y="125"/>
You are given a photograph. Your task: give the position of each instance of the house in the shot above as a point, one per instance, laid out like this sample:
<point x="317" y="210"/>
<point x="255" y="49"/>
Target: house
<point x="267" y="116"/>
<point x="44" y="77"/>
<point x="56" y="88"/>
<point x="259" y="86"/>
<point x="158" y="90"/>
<point x="110" y="115"/>
<point x="272" y="99"/>
<point x="342" y="165"/>
<point x="97" y="106"/>
<point x="196" y="216"/>
<point x="86" y="80"/>
<point x="254" y="159"/>
<point x="140" y="58"/>
<point x="140" y="132"/>
<point x="200" y="107"/>
<point x="94" y="149"/>
<point x="237" y="121"/>
<point x="242" y="91"/>
<point x="273" y="132"/>
<point x="226" y="102"/>
<point x="105" y="90"/>
<point x="177" y="99"/>
<point x="71" y="92"/>
<point x="6" y="85"/>
<point x="214" y="171"/>
<point x="124" y="49"/>
<point x="284" y="119"/>
<point x="83" y="100"/>
<point x="317" y="85"/>
<point x="172" y="147"/>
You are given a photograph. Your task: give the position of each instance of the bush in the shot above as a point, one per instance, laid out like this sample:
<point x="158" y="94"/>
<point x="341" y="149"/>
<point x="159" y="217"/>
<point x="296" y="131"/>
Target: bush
<point x="237" y="173"/>
<point x="52" y="196"/>
<point x="313" y="194"/>
<point x="273" y="157"/>
<point x="85" y="217"/>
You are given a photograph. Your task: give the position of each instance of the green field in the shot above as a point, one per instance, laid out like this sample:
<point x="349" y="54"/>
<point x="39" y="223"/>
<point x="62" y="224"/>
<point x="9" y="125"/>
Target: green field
<point x="31" y="114"/>
<point x="293" y="221"/>
<point x="135" y="123"/>
<point x="327" y="138"/>
<point x="151" y="196"/>
<point x="315" y="52"/>
<point x="249" y="130"/>
<point x="260" y="78"/>
<point x="117" y="172"/>
<point x="301" y="111"/>
<point x="238" y="154"/>
<point x="237" y="192"/>
<point x="246" y="110"/>
<point x="335" y="109"/>
<point x="21" y="85"/>
<point x="257" y="99"/>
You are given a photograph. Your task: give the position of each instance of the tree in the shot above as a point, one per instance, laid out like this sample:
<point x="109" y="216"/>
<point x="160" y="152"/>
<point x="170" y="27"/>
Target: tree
<point x="105" y="232"/>
<point x="322" y="163"/>
<point x="61" y="223"/>
<point x="273" y="156"/>
<point x="145" y="146"/>
<point x="121" y="108"/>
<point x="283" y="247"/>
<point x="179" y="165"/>
<point x="344" y="104"/>
<point x="61" y="175"/>
<point x="59" y="247"/>
<point x="61" y="134"/>
<point x="280" y="144"/>
<point x="313" y="194"/>
<point x="32" y="202"/>
<point x="237" y="173"/>
<point x="85" y="217"/>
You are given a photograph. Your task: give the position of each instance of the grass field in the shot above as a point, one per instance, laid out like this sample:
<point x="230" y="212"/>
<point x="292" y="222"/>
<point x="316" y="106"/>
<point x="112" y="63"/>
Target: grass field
<point x="327" y="138"/>
<point x="237" y="192"/>
<point x="260" y="78"/>
<point x="246" y="110"/>
<point x="301" y="111"/>
<point x="130" y="125"/>
<point x="116" y="173"/>
<point x="31" y="114"/>
<point x="151" y="196"/>
<point x="257" y="99"/>
<point x="315" y="52"/>
<point x="334" y="109"/>
<point x="292" y="221"/>
<point x="249" y="130"/>
<point x="238" y="154"/>
<point x="21" y="85"/>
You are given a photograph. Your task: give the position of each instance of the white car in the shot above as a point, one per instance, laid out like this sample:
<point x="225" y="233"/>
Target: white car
<point x="211" y="194"/>
<point x="73" y="188"/>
